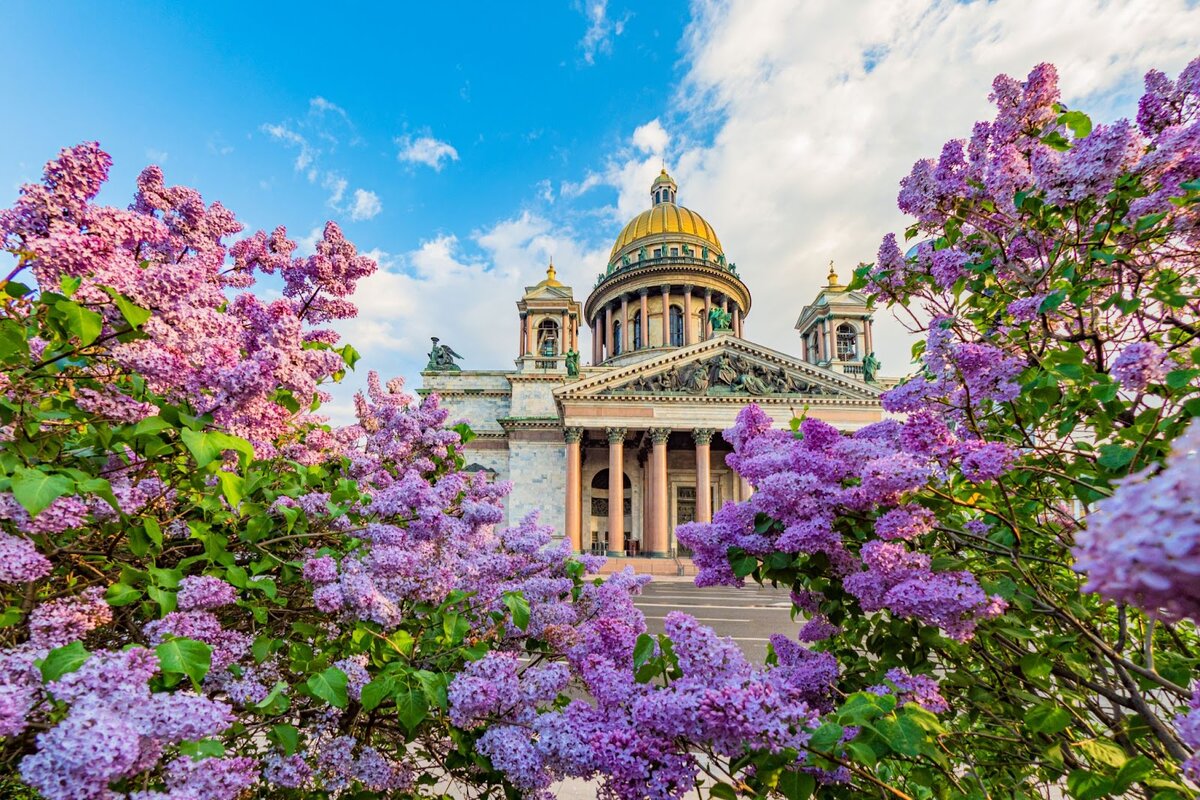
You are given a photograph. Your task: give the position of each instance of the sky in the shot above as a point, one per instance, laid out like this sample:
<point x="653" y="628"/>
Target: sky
<point x="465" y="148"/>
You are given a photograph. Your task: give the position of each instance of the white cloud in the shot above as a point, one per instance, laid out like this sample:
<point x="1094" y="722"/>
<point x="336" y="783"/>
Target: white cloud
<point x="157" y="156"/>
<point x="463" y="291"/>
<point x="366" y="205"/>
<point x="319" y="105"/>
<point x="425" y="150"/>
<point x="336" y="185"/>
<point x="282" y="133"/>
<point x="601" y="29"/>
<point x="821" y="108"/>
<point x="651" y="137"/>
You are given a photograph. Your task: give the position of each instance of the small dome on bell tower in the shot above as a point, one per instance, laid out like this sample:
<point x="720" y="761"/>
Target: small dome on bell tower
<point x="663" y="189"/>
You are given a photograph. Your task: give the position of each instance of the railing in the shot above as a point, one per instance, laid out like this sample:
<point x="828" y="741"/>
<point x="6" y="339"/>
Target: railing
<point x="852" y="369"/>
<point x="692" y="261"/>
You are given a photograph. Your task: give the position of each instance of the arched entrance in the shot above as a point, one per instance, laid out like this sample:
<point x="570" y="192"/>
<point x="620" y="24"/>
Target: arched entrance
<point x="598" y="525"/>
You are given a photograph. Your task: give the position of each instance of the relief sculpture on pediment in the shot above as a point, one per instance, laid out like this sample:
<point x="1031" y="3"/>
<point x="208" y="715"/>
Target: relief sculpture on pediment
<point x="723" y="374"/>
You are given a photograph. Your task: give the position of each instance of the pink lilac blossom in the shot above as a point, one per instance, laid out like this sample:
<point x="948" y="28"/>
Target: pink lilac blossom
<point x="20" y="561"/>
<point x="920" y="689"/>
<point x="204" y="592"/>
<point x="1139" y="365"/>
<point x="68" y="619"/>
<point x="1188" y="727"/>
<point x="1142" y="545"/>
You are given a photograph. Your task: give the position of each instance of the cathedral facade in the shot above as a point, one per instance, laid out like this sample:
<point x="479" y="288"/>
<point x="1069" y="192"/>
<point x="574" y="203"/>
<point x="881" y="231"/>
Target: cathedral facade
<point x="619" y="451"/>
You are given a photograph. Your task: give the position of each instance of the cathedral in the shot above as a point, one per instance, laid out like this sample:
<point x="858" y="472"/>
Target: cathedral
<point x="619" y="451"/>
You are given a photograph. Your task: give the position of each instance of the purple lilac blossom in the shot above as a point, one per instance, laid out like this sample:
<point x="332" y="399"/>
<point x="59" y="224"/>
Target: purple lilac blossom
<point x="1139" y="365"/>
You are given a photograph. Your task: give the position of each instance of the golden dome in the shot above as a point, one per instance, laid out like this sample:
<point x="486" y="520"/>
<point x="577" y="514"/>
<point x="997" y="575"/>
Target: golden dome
<point x="551" y="276"/>
<point x="666" y="218"/>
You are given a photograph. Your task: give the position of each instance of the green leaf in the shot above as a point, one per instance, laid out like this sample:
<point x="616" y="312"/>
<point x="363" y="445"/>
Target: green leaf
<point x="206" y="446"/>
<point x="903" y="734"/>
<point x="1035" y="666"/>
<point x="862" y="753"/>
<point x="61" y="660"/>
<point x="69" y="284"/>
<point x="1084" y="785"/>
<point x="1115" y="456"/>
<point x="723" y="791"/>
<point x="287" y="737"/>
<point x="330" y="686"/>
<point x="1052" y="301"/>
<point x="204" y="748"/>
<point x="1148" y="221"/>
<point x="13" y="345"/>
<point x="1180" y="378"/>
<point x="518" y="606"/>
<point x="1135" y="769"/>
<point x="135" y="315"/>
<point x="826" y="737"/>
<point x="1099" y="751"/>
<point x="121" y="594"/>
<point x="412" y="707"/>
<point x="796" y="785"/>
<point x="643" y="650"/>
<point x="744" y="565"/>
<point x="1047" y="718"/>
<point x="82" y="323"/>
<point x="185" y="657"/>
<point x="232" y="487"/>
<point x="1079" y="123"/>
<point x="35" y="490"/>
<point x="374" y="693"/>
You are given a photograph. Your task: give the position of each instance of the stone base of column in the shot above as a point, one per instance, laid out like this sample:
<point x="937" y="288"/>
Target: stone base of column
<point x="657" y="555"/>
<point x="615" y="554"/>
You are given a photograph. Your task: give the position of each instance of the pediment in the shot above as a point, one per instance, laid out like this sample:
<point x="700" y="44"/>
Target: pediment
<point x="542" y="292"/>
<point x="725" y="366"/>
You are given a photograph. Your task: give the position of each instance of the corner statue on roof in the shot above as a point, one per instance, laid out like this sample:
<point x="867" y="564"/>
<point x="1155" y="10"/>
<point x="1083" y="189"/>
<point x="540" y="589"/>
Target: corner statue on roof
<point x="608" y="421"/>
<point x="441" y="358"/>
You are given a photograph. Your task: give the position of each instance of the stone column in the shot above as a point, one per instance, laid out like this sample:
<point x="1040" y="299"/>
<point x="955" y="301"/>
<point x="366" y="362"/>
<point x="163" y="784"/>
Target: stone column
<point x="688" y="338"/>
<point x="608" y="332"/>
<point x="625" y="336"/>
<point x="827" y="327"/>
<point x="725" y="304"/>
<point x="656" y="539"/>
<point x="596" y="340"/>
<point x="703" y="439"/>
<point x="746" y="490"/>
<point x="564" y="336"/>
<point x="704" y="323"/>
<point x="521" y="339"/>
<point x="530" y="344"/>
<point x="870" y="345"/>
<point x="574" y="489"/>
<point x="616" y="491"/>
<point x="666" y="317"/>
<point x="645" y="317"/>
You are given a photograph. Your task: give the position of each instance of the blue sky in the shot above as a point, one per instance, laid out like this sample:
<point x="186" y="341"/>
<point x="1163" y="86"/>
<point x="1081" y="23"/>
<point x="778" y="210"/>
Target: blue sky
<point x="463" y="146"/>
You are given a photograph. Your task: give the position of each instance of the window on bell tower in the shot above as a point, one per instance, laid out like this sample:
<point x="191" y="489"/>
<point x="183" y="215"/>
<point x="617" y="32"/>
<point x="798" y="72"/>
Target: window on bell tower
<point x="676" y="326"/>
<point x="847" y="342"/>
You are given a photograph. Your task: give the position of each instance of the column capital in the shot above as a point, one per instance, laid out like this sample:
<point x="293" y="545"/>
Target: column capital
<point x="615" y="435"/>
<point x="642" y="292"/>
<point x="660" y="435"/>
<point x="703" y="435"/>
<point x="665" y="288"/>
<point x="572" y="435"/>
<point x="708" y="293"/>
<point x="687" y="288"/>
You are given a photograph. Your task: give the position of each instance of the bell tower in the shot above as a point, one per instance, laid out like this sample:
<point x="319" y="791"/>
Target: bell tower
<point x="835" y="329"/>
<point x="549" y="327"/>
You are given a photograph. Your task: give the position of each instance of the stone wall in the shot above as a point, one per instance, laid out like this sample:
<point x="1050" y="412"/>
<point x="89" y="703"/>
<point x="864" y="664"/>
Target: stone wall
<point x="539" y="471"/>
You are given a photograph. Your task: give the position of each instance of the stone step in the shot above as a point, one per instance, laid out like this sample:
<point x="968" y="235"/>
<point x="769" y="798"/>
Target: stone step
<point x="650" y="566"/>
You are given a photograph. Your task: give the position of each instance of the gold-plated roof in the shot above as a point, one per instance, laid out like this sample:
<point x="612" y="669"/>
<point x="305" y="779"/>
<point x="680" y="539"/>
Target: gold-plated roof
<point x="551" y="276"/>
<point x="663" y="177"/>
<point x="666" y="218"/>
<point x="833" y="279"/>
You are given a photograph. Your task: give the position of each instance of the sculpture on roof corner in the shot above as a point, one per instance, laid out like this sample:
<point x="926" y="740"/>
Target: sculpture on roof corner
<point x="572" y="363"/>
<point x="442" y="358"/>
<point x="871" y="367"/>
<point x="720" y="320"/>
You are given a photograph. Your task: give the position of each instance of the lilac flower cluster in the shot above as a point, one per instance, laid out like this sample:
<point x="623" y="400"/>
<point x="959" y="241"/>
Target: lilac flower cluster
<point x="1139" y="365"/>
<point x="1188" y="727"/>
<point x="806" y="483"/>
<point x="20" y="561"/>
<point x="116" y="728"/>
<point x="636" y="735"/>
<point x="1142" y="544"/>
<point x="204" y="592"/>
<point x="920" y="689"/>
<point x="68" y="619"/>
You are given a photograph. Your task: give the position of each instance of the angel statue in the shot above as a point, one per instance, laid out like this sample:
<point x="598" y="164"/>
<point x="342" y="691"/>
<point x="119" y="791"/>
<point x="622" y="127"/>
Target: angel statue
<point x="719" y="319"/>
<point x="441" y="358"/>
<point x="871" y="367"/>
<point x="572" y="363"/>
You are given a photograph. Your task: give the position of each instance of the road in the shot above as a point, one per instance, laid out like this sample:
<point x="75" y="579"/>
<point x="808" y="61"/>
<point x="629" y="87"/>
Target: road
<point x="748" y="615"/>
